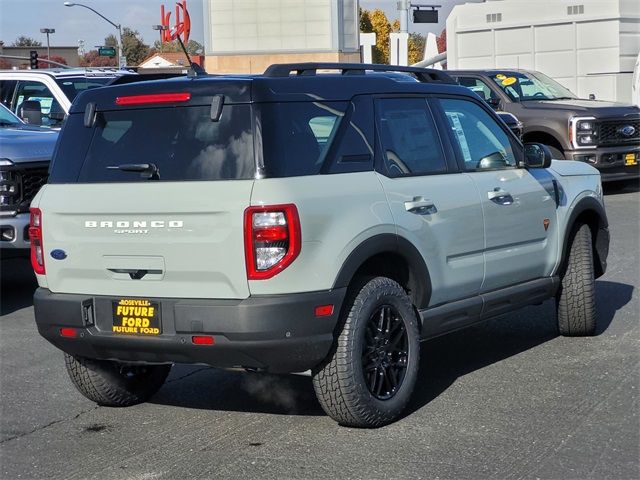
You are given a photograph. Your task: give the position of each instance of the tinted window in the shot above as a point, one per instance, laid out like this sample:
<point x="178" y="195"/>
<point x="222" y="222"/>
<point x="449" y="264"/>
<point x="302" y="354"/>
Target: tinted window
<point x="52" y="113"/>
<point x="479" y="87"/>
<point x="73" y="86"/>
<point x="482" y="142"/>
<point x="7" y="118"/>
<point x="296" y="136"/>
<point x="182" y="142"/>
<point x="353" y="146"/>
<point x="409" y="139"/>
<point x="7" y="89"/>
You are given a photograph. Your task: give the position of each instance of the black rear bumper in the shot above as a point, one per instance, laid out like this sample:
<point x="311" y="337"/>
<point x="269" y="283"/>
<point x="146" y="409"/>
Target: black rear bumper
<point x="278" y="333"/>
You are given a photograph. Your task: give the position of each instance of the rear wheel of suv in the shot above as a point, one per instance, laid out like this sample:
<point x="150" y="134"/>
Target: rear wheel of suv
<point x="576" y="298"/>
<point x="368" y="378"/>
<point x="115" y="384"/>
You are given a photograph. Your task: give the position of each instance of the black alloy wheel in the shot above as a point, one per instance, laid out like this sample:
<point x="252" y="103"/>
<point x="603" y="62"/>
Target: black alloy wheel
<point x="385" y="352"/>
<point x="369" y="374"/>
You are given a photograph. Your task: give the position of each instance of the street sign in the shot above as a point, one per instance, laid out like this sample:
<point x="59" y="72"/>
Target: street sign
<point x="106" y="52"/>
<point x="425" y="16"/>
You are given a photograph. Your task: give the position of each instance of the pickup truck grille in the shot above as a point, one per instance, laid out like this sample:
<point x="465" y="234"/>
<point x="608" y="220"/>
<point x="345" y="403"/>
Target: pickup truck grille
<point x="611" y="132"/>
<point x="19" y="184"/>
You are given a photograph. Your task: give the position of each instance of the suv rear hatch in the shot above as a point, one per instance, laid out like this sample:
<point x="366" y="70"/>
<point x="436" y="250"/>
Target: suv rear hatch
<point x="147" y="193"/>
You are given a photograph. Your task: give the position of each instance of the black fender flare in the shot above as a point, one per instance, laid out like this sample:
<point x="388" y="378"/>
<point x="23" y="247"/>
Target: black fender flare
<point x="600" y="232"/>
<point x="389" y="243"/>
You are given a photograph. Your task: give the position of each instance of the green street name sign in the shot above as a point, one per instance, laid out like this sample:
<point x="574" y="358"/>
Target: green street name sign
<point x="106" y="52"/>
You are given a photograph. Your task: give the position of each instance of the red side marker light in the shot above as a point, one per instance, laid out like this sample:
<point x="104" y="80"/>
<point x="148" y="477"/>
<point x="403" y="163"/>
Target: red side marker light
<point x="324" y="310"/>
<point x="202" y="340"/>
<point x="68" y="332"/>
<point x="153" y="98"/>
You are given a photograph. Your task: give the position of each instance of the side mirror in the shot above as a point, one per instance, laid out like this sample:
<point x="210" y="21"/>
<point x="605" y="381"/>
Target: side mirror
<point x="31" y="112"/>
<point x="56" y="113"/>
<point x="592" y="96"/>
<point x="537" y="155"/>
<point x="494" y="102"/>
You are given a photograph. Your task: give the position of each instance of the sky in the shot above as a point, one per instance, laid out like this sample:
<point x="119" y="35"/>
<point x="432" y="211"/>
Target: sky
<point x="27" y="17"/>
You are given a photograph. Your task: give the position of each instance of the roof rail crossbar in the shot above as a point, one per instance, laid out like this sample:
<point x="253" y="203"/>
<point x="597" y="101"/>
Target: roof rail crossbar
<point x="427" y="75"/>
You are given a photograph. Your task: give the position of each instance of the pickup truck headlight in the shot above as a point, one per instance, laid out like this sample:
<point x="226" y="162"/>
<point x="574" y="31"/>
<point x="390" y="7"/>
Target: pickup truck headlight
<point x="583" y="132"/>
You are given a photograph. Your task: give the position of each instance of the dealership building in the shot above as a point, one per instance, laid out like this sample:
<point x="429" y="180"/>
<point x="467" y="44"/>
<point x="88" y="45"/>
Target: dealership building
<point x="590" y="46"/>
<point x="246" y="36"/>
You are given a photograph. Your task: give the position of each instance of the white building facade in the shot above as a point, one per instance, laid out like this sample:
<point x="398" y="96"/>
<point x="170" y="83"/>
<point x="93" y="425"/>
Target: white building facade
<point x="248" y="35"/>
<point x="590" y="46"/>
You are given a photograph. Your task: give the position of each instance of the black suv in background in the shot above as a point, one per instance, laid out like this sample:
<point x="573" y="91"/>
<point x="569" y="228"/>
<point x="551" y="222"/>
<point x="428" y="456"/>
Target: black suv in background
<point x="603" y="134"/>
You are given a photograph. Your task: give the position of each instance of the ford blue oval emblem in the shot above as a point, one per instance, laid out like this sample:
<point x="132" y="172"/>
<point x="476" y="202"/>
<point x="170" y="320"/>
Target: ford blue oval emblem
<point x="627" y="130"/>
<point x="58" y="254"/>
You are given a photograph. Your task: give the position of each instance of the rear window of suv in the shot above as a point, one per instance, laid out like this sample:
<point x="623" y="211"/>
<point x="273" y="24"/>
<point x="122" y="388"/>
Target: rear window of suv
<point x="183" y="143"/>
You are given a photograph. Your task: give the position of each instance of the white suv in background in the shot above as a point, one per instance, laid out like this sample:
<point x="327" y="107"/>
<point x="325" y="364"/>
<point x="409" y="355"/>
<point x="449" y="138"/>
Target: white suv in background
<point x="49" y="92"/>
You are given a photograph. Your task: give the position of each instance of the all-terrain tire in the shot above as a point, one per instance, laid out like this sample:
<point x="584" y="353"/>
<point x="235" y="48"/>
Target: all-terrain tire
<point x="114" y="384"/>
<point x="339" y="382"/>
<point x="576" y="297"/>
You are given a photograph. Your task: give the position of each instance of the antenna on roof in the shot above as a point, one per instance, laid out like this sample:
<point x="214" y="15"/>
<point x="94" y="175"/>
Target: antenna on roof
<point x="195" y="70"/>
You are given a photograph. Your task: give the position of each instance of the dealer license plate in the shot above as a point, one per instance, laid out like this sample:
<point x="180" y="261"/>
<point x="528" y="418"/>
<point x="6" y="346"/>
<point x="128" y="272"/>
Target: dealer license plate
<point x="630" y="159"/>
<point x="136" y="317"/>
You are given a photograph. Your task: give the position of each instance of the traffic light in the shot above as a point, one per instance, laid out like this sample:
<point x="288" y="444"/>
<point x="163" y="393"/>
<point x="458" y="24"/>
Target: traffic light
<point x="33" y="59"/>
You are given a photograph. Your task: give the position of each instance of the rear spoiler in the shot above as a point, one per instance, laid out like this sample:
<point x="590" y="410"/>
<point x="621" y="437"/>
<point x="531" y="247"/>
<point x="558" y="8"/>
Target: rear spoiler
<point x="124" y="79"/>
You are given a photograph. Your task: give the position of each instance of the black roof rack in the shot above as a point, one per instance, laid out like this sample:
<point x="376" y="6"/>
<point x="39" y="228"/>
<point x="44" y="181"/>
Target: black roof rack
<point x="426" y="75"/>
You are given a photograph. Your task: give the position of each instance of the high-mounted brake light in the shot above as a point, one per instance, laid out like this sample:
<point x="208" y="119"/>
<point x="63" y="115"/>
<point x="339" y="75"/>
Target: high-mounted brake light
<point x="35" y="237"/>
<point x="272" y="239"/>
<point x="153" y="98"/>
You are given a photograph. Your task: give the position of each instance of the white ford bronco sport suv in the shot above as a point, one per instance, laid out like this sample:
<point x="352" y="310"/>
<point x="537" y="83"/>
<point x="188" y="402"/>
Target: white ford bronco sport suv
<point x="323" y="217"/>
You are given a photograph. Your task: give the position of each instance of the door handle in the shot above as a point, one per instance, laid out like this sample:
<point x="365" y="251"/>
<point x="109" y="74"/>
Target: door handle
<point x="420" y="206"/>
<point x="500" y="196"/>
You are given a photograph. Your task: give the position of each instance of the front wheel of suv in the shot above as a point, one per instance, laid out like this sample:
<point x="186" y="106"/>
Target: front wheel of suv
<point x="114" y="384"/>
<point x="368" y="378"/>
<point x="576" y="297"/>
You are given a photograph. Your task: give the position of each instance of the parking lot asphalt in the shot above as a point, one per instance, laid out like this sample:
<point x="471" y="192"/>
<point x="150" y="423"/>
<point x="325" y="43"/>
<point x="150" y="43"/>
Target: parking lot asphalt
<point x="507" y="399"/>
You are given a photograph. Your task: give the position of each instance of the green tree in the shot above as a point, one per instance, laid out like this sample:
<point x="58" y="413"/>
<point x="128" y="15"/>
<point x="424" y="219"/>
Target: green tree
<point x="365" y="21"/>
<point x="111" y="41"/>
<point x="133" y="46"/>
<point x="193" y="47"/>
<point x="23" y="41"/>
<point x="92" y="59"/>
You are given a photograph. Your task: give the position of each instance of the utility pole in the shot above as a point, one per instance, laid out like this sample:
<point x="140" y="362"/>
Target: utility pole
<point x="403" y="8"/>
<point x="161" y="29"/>
<point x="48" y="31"/>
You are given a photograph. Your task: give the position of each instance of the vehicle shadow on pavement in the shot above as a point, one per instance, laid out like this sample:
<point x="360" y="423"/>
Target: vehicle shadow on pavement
<point x="17" y="284"/>
<point x="446" y="358"/>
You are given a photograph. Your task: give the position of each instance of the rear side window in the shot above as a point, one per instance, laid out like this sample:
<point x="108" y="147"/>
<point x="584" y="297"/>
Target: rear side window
<point x="296" y="136"/>
<point x="183" y="143"/>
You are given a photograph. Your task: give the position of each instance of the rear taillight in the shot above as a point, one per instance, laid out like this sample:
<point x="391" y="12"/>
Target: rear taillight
<point x="35" y="237"/>
<point x="272" y="239"/>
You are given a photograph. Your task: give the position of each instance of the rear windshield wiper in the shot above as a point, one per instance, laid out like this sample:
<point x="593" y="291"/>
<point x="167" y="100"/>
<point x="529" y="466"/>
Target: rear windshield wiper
<point x="149" y="171"/>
